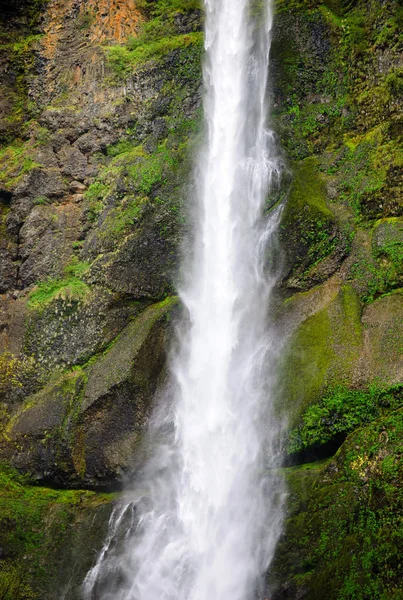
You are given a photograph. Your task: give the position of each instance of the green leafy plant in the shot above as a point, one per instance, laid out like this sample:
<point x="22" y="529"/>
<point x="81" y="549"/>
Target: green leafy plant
<point x="342" y="410"/>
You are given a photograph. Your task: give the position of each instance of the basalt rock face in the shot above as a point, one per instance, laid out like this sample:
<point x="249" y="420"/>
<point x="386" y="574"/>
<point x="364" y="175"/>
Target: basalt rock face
<point x="337" y="93"/>
<point x="99" y="106"/>
<point x="99" y="116"/>
<point x="94" y="162"/>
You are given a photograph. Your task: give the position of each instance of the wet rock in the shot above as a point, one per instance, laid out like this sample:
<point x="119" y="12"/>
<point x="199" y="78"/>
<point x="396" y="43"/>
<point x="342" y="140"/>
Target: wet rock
<point x="65" y="119"/>
<point x="142" y="267"/>
<point x="58" y="140"/>
<point x="324" y="347"/>
<point x="188" y="22"/>
<point x="8" y="270"/>
<point x="93" y="142"/>
<point x="8" y="257"/>
<point x="314" y="245"/>
<point x="21" y="208"/>
<point x="46" y="157"/>
<point x="76" y="187"/>
<point x="49" y="538"/>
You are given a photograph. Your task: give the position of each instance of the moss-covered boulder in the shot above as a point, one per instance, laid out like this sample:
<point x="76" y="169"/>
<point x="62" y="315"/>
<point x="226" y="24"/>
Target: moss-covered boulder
<point x="68" y="322"/>
<point x="313" y="242"/>
<point x="48" y="538"/>
<point x="340" y="363"/>
<point x="83" y="428"/>
<point x="322" y="350"/>
<point x="343" y="532"/>
<point x="382" y="354"/>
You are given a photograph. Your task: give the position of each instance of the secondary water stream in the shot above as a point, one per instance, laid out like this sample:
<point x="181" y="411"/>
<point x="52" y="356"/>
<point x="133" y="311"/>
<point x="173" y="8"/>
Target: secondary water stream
<point x="205" y="518"/>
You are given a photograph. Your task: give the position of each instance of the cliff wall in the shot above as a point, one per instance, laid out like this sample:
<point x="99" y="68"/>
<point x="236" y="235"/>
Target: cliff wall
<point x="100" y="115"/>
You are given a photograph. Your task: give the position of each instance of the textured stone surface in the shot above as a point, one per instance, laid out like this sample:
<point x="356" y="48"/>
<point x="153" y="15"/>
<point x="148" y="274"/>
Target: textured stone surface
<point x="82" y="428"/>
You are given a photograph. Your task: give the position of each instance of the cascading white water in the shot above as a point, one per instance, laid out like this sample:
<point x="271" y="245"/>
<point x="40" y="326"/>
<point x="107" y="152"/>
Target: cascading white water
<point x="206" y="520"/>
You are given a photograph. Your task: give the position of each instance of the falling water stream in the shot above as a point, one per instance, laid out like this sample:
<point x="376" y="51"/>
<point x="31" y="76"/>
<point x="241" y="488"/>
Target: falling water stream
<point x="205" y="516"/>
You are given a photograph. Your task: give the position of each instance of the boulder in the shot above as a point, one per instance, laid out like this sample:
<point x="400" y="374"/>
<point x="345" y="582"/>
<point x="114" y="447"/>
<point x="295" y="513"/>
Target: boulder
<point x="83" y="428"/>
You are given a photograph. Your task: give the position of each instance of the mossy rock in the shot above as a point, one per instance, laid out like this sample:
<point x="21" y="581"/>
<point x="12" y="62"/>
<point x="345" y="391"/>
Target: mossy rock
<point x="308" y="230"/>
<point x="388" y="232"/>
<point x="83" y="428"/>
<point x="343" y="531"/>
<point x="118" y="396"/>
<point x="382" y="355"/>
<point x="387" y="241"/>
<point x="48" y="538"/>
<point x="69" y="321"/>
<point x="322" y="350"/>
<point x="363" y="271"/>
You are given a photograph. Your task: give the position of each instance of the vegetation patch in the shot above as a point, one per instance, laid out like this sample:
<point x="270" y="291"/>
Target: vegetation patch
<point x="35" y="524"/>
<point x="159" y="34"/>
<point x="124" y="59"/>
<point x="19" y="51"/>
<point x="15" y="161"/>
<point x="135" y="182"/>
<point x="343" y="532"/>
<point x="342" y="410"/>
<point x="70" y="287"/>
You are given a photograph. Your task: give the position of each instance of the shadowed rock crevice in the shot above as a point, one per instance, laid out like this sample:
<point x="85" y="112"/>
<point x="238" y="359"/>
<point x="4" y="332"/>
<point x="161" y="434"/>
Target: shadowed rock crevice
<point x="315" y="453"/>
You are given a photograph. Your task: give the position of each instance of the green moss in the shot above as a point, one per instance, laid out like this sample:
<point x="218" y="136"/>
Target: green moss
<point x="344" y="528"/>
<point x="35" y="523"/>
<point x="143" y="182"/>
<point x="122" y="219"/>
<point x="308" y="227"/>
<point x="294" y="5"/>
<point x="14" y="370"/>
<point x="388" y="249"/>
<point x="168" y="8"/>
<point x="124" y="59"/>
<point x="52" y="413"/>
<point x="157" y="36"/>
<point x="384" y="335"/>
<point x="331" y="97"/>
<point x="116" y="363"/>
<point x="19" y="49"/>
<point x="341" y="410"/>
<point x="15" y="161"/>
<point x="308" y="189"/>
<point x="4" y="210"/>
<point x="70" y="287"/>
<point x="321" y="352"/>
<point x="23" y="44"/>
<point x="142" y="172"/>
<point x="94" y="199"/>
<point x="378" y="260"/>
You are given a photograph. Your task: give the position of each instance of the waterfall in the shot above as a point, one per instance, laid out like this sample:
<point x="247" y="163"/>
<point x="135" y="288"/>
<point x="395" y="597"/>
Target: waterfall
<point x="205" y="516"/>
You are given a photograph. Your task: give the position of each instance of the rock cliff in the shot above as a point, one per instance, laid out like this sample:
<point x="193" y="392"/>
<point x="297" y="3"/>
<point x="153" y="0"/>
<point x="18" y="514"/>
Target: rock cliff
<point x="100" y="108"/>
